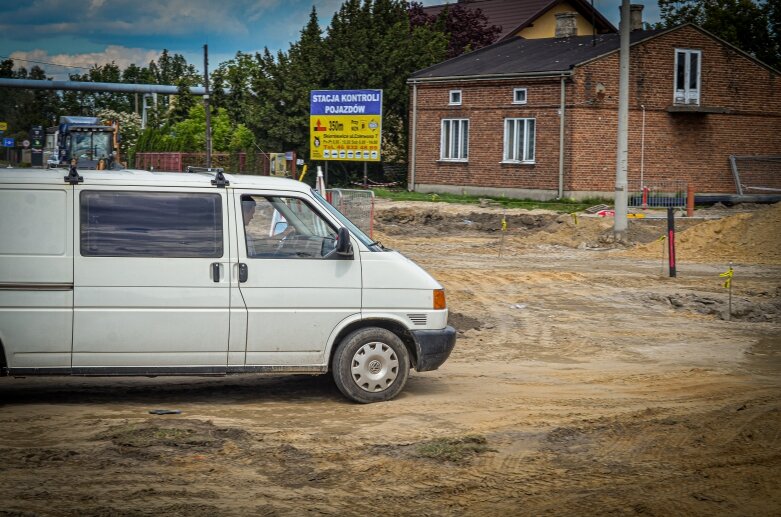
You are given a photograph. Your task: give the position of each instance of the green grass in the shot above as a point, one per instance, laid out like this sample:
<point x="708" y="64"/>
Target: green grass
<point x="564" y="205"/>
<point x="455" y="450"/>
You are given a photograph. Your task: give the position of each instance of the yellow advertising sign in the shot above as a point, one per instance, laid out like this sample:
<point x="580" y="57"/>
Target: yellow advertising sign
<point x="345" y="125"/>
<point x="340" y="137"/>
<point x="3" y="126"/>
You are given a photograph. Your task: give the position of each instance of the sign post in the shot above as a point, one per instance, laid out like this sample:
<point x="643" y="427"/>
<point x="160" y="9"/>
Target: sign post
<point x="8" y="143"/>
<point x="37" y="137"/>
<point x="345" y="125"/>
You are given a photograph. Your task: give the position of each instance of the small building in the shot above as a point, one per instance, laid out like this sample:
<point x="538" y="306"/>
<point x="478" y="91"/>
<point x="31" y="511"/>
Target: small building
<point x="537" y="118"/>
<point x="533" y="19"/>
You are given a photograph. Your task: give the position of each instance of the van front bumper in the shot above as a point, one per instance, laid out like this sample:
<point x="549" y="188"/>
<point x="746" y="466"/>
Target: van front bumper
<point x="433" y="347"/>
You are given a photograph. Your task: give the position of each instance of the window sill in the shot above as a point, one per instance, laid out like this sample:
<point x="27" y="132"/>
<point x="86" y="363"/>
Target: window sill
<point x="515" y="162"/>
<point x="453" y="160"/>
<point x="695" y="108"/>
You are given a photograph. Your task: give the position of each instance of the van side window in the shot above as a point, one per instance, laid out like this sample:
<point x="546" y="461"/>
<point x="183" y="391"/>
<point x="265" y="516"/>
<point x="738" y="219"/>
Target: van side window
<point x="151" y="224"/>
<point x="285" y="227"/>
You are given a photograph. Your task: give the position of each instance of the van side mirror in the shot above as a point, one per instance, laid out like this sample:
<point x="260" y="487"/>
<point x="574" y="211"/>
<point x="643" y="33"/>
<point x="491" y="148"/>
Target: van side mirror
<point x="344" y="247"/>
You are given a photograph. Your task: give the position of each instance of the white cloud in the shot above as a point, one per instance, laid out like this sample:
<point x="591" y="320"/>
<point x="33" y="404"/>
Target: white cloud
<point x="121" y="56"/>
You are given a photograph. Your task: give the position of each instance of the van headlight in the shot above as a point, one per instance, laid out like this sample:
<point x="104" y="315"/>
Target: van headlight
<point x="439" y="299"/>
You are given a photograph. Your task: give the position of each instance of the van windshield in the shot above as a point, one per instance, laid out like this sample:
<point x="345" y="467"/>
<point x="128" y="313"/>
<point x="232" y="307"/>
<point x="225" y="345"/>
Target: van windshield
<point x="357" y="232"/>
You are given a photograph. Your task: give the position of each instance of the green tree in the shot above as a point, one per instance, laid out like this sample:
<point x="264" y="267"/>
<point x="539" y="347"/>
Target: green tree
<point x="129" y="131"/>
<point x="22" y="109"/>
<point x="752" y="26"/>
<point x="189" y="135"/>
<point x="466" y="28"/>
<point x="90" y="103"/>
<point x="181" y="104"/>
<point x="231" y="86"/>
<point x="369" y="44"/>
<point x="306" y="69"/>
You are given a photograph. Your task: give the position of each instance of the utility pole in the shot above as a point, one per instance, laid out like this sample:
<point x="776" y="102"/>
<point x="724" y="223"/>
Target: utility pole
<point x="622" y="145"/>
<point x="206" y="106"/>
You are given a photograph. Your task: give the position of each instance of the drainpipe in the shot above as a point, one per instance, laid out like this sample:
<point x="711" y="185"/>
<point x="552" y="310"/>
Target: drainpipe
<point x="561" y="140"/>
<point x="413" y="151"/>
<point x="642" y="151"/>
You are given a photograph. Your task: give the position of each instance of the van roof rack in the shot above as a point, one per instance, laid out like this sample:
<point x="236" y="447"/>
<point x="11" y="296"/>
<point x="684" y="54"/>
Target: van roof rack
<point x="73" y="176"/>
<point x="219" y="178"/>
<point x="193" y="168"/>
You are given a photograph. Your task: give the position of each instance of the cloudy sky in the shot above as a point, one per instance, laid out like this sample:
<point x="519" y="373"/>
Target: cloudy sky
<point x="81" y="33"/>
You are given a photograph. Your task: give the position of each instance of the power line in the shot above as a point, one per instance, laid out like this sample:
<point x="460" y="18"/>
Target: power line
<point x="45" y="63"/>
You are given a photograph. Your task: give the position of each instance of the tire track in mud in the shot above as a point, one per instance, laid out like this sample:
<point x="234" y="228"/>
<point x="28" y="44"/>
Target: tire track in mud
<point x="594" y="402"/>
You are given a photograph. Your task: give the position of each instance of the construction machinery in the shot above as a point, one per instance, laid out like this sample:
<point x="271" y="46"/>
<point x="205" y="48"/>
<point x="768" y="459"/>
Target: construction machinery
<point x="93" y="143"/>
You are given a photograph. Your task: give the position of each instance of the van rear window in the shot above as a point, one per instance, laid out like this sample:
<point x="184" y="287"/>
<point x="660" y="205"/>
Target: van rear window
<point x="151" y="224"/>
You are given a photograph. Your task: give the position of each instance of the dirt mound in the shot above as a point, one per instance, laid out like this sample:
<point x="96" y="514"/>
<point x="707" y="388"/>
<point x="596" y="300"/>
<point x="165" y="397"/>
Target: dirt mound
<point x="436" y="221"/>
<point x="743" y="309"/>
<point x="597" y="232"/>
<point x="524" y="228"/>
<point x="573" y="232"/>
<point x="744" y="238"/>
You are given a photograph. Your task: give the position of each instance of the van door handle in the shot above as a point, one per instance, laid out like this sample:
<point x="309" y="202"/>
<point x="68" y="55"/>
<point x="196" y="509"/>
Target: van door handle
<point x="243" y="272"/>
<point x="216" y="271"/>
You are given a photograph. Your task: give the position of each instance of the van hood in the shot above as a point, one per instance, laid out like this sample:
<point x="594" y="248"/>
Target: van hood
<point x="392" y="270"/>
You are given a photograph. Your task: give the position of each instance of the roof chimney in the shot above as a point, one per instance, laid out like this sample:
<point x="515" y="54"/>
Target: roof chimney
<point x="636" y="17"/>
<point x="565" y="25"/>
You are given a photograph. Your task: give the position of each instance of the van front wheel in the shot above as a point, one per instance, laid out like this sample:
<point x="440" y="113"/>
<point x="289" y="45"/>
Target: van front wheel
<point x="371" y="365"/>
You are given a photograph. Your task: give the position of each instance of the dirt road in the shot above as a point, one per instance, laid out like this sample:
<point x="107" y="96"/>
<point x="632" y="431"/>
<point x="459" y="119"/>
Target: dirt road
<point x="583" y="382"/>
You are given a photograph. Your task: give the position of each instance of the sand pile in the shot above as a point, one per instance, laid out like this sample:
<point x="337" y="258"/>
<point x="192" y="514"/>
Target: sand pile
<point x="572" y="232"/>
<point x="742" y="238"/>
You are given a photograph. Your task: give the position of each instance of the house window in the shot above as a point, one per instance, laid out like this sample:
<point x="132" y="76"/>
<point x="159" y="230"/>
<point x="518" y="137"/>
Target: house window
<point x="687" y="76"/>
<point x="519" y="95"/>
<point x="519" y="140"/>
<point x="455" y="97"/>
<point x="454" y="144"/>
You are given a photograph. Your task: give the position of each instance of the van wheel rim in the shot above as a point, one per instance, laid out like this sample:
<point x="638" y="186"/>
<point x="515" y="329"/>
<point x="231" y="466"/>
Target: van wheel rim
<point x="374" y="367"/>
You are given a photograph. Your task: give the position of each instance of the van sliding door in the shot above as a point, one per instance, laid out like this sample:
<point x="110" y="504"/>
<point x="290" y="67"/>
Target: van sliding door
<point x="151" y="281"/>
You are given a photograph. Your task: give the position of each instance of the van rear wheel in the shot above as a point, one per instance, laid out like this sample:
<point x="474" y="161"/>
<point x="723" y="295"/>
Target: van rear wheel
<point x="371" y="365"/>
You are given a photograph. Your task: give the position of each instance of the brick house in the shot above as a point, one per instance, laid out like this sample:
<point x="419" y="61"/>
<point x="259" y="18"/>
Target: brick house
<point x="489" y="122"/>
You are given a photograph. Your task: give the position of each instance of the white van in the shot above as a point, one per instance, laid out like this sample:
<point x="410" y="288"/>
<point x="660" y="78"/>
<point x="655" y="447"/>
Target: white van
<point x="143" y="273"/>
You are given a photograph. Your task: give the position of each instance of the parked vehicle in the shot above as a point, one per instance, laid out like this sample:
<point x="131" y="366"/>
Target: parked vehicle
<point x="140" y="273"/>
<point x="94" y="144"/>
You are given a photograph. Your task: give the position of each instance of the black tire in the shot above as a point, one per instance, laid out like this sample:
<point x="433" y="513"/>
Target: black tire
<point x="371" y="365"/>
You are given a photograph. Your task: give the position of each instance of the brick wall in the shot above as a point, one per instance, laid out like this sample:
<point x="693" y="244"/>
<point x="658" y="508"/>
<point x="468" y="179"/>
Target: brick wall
<point x="687" y="146"/>
<point x="486" y="105"/>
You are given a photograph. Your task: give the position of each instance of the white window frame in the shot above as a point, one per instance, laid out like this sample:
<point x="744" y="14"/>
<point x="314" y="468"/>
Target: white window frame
<point x="687" y="95"/>
<point x="516" y="151"/>
<point x="454" y="145"/>
<point x="525" y="95"/>
<point x="452" y="102"/>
